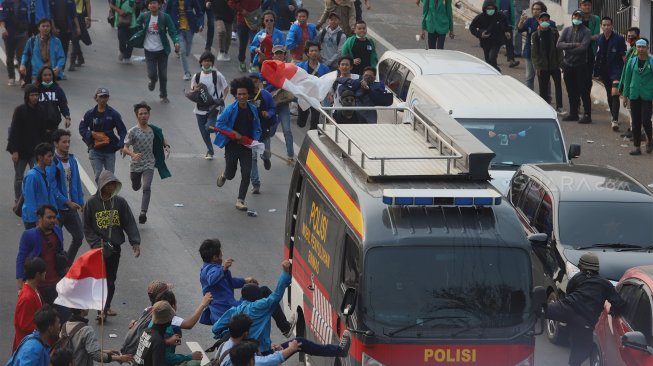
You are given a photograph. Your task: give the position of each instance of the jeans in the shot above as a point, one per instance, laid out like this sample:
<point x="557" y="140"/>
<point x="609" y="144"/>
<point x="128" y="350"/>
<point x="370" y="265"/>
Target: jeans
<point x="224" y="36"/>
<point x="316" y="349"/>
<point x="124" y="34"/>
<point x="202" y="122"/>
<point x="640" y="111"/>
<point x="283" y="114"/>
<point x="544" y="79"/>
<point x="111" y="266"/>
<point x="101" y="160"/>
<point x="303" y="117"/>
<point x="256" y="181"/>
<point x="530" y="74"/>
<point x="185" y="44"/>
<point x="580" y="331"/>
<point x="19" y="173"/>
<point x="157" y="69"/>
<point x="210" y="28"/>
<point x="14" y="49"/>
<point x="491" y="51"/>
<point x="233" y="154"/>
<point x="245" y="36"/>
<point x="575" y="80"/>
<point x="143" y="179"/>
<point x="436" y="40"/>
<point x="517" y="41"/>
<point x="613" y="100"/>
<point x="71" y="221"/>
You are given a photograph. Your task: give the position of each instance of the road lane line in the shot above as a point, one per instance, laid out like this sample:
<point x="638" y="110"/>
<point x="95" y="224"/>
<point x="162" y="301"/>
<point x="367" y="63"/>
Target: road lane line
<point x="195" y="347"/>
<point x="377" y="37"/>
<point x="86" y="179"/>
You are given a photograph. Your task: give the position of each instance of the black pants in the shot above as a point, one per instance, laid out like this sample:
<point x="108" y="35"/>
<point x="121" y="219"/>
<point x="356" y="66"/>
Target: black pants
<point x="580" y="332"/>
<point x="575" y="80"/>
<point x="491" y="51"/>
<point x="510" y="49"/>
<point x="65" y="38"/>
<point x="233" y="154"/>
<point x="544" y="79"/>
<point x="124" y="33"/>
<point x="359" y="10"/>
<point x="278" y="315"/>
<point x="613" y="100"/>
<point x="640" y="112"/>
<point x="111" y="264"/>
<point x="303" y="117"/>
<point x="14" y="48"/>
<point x="71" y="221"/>
<point x="436" y="40"/>
<point x="157" y="70"/>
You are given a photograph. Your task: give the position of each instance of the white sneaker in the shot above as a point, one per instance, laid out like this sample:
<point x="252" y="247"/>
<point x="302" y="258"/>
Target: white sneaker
<point x="615" y="126"/>
<point x="293" y="323"/>
<point x="226" y="57"/>
<point x="234" y="36"/>
<point x="187" y="76"/>
<point x="220" y="57"/>
<point x="208" y="156"/>
<point x="240" y="205"/>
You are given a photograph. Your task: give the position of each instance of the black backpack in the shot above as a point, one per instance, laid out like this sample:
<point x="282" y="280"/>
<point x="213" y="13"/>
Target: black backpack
<point x="65" y="340"/>
<point x="133" y="335"/>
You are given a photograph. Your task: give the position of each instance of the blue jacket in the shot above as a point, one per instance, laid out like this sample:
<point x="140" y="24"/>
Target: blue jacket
<point x="42" y="10"/>
<point x="615" y="50"/>
<point x="7" y="12"/>
<point x="105" y="122"/>
<point x="32" y="54"/>
<point x="260" y="311"/>
<point x="37" y="191"/>
<point x="227" y="119"/>
<point x="221" y="285"/>
<point x="59" y="189"/>
<point x="32" y="352"/>
<point x="194" y="13"/>
<point x="31" y="243"/>
<point x="322" y="69"/>
<point x="295" y="35"/>
<point x="269" y="126"/>
<point x="278" y="38"/>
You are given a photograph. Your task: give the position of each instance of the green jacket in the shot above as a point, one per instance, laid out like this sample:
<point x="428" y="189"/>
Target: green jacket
<point x="349" y="43"/>
<point x="166" y="25"/>
<point x="128" y="7"/>
<point x="512" y="22"/>
<point x="437" y="16"/>
<point x="540" y="60"/>
<point x="595" y="28"/>
<point x="629" y="54"/>
<point x="638" y="85"/>
<point x="159" y="152"/>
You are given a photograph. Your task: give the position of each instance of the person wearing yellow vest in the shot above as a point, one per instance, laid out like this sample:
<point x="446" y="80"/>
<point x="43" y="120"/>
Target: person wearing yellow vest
<point x="638" y="92"/>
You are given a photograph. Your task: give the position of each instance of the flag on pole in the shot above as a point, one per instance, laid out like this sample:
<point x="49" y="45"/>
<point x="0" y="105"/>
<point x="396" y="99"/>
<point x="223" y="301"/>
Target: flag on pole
<point x="246" y="141"/>
<point x="309" y="89"/>
<point x="85" y="284"/>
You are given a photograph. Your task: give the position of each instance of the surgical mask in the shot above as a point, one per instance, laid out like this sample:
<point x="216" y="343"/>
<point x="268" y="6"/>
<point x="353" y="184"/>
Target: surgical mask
<point x="361" y="37"/>
<point x="490" y="12"/>
<point x="545" y="25"/>
<point x="576" y="22"/>
<point x="207" y="69"/>
<point x="49" y="83"/>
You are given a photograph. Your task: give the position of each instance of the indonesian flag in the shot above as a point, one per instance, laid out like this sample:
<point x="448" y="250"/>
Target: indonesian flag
<point x="246" y="141"/>
<point x="85" y="284"/>
<point x="310" y="90"/>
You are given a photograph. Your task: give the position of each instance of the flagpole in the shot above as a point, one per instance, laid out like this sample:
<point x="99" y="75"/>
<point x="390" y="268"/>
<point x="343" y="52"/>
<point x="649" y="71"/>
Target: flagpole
<point x="104" y="275"/>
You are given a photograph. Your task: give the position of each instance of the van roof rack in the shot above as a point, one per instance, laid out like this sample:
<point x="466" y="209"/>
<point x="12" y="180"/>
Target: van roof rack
<point x="410" y="148"/>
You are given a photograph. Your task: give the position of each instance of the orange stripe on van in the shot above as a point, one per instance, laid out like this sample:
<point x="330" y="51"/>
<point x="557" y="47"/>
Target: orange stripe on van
<point x="328" y="182"/>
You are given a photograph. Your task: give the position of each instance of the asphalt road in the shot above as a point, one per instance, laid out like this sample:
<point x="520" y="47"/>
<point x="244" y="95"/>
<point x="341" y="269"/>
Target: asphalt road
<point x="172" y="235"/>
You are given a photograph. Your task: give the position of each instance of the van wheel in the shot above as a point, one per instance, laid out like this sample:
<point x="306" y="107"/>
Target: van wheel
<point x="595" y="356"/>
<point x="554" y="332"/>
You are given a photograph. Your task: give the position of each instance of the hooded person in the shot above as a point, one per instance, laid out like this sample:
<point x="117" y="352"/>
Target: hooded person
<point x="107" y="218"/>
<point x="348" y="116"/>
<point x="491" y="27"/>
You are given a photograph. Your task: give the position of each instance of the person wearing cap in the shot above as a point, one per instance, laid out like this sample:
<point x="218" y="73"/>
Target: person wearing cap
<point x="331" y="39"/>
<point x="348" y="99"/>
<point x="188" y="16"/>
<point x="282" y="99"/>
<point x="574" y="41"/>
<point x="300" y="32"/>
<point x="267" y="113"/>
<point x="546" y="59"/>
<point x="638" y="93"/>
<point x="491" y="28"/>
<point x="437" y="21"/>
<point x="98" y="125"/>
<point x="284" y="11"/>
<point x="151" y="346"/>
<point x="529" y="25"/>
<point x="586" y="294"/>
<point x="344" y="10"/>
<point x="313" y="66"/>
<point x="268" y="37"/>
<point x="53" y="56"/>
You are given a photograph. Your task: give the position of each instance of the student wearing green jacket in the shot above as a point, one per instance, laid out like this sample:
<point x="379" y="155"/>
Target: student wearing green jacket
<point x="638" y="92"/>
<point x="632" y="35"/>
<point x="437" y="21"/>
<point x="361" y="49"/>
<point x="124" y="21"/>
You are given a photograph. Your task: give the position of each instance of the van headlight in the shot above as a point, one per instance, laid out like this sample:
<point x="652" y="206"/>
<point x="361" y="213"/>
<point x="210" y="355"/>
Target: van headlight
<point x="571" y="269"/>
<point x="369" y="361"/>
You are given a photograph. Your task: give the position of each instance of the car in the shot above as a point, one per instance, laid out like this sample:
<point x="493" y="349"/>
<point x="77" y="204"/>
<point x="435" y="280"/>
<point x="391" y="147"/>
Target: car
<point x="582" y="208"/>
<point x="626" y="339"/>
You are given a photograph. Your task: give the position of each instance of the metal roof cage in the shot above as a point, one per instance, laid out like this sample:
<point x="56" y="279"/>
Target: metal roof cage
<point x="415" y="148"/>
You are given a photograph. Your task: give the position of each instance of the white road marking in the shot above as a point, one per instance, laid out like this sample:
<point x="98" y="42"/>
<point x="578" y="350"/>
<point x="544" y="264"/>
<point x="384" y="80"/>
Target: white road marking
<point x="194" y="347"/>
<point x="377" y="37"/>
<point x="86" y="179"/>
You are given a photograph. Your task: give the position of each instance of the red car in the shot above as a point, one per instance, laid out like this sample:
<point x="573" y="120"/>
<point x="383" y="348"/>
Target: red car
<point x="627" y="339"/>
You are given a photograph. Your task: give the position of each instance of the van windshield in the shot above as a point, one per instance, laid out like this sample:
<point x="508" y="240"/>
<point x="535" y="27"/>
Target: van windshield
<point x="447" y="291"/>
<point x="518" y="142"/>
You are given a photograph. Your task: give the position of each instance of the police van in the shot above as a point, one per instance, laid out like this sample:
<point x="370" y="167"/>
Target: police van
<point x="395" y="233"/>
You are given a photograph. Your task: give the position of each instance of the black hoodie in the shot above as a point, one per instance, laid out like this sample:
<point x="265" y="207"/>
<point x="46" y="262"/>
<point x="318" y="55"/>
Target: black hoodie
<point x="496" y="25"/>
<point x="109" y="220"/>
<point x="27" y="127"/>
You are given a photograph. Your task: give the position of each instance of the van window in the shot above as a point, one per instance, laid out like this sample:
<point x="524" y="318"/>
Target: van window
<point x="396" y="78"/>
<point x="517" y="185"/>
<point x="531" y="201"/>
<point x="406" y="86"/>
<point x="544" y="219"/>
<point x="351" y="263"/>
<point x="384" y="69"/>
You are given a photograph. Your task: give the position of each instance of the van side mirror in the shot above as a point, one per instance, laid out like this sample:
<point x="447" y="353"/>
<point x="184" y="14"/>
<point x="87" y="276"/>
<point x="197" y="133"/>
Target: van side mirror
<point x="539" y="239"/>
<point x="348" y="302"/>
<point x="574" y="151"/>
<point x="636" y="340"/>
<point x="538" y="298"/>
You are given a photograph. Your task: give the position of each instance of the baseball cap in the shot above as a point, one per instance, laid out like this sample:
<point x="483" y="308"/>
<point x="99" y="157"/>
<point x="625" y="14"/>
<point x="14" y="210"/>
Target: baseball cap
<point x="162" y="312"/>
<point x="347" y="93"/>
<point x="577" y="12"/>
<point x="544" y="14"/>
<point x="334" y="14"/>
<point x="101" y="91"/>
<point x="278" y="48"/>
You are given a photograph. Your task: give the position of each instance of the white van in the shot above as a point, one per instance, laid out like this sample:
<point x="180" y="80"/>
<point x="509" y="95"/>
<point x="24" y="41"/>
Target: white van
<point x="509" y="118"/>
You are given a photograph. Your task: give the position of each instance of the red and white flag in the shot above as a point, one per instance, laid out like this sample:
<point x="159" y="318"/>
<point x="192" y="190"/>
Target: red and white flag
<point x="85" y="284"/>
<point x="309" y="89"/>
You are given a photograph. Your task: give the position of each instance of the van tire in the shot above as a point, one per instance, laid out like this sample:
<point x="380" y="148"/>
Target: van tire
<point x="554" y="332"/>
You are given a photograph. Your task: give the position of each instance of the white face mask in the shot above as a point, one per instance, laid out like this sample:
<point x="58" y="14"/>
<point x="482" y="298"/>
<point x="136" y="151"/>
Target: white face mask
<point x="207" y="69"/>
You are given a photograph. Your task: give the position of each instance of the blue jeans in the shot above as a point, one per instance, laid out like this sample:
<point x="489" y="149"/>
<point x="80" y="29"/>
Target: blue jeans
<point x="283" y="114"/>
<point x="255" y="179"/>
<point x="101" y="160"/>
<point x="157" y="69"/>
<point x="245" y="36"/>
<point x="202" y="122"/>
<point x="210" y="28"/>
<point x="185" y="44"/>
<point x="530" y="74"/>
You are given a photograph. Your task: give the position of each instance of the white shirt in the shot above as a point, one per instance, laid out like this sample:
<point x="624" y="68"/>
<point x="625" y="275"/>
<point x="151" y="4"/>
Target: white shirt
<point x="207" y="79"/>
<point x="152" y="39"/>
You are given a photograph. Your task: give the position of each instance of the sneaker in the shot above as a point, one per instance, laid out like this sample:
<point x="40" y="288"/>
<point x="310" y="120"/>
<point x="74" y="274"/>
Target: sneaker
<point x="636" y="151"/>
<point x="80" y="60"/>
<point x="208" y="156"/>
<point x="256" y="189"/>
<point x="253" y="68"/>
<point x="649" y="147"/>
<point x="226" y="57"/>
<point x="165" y="100"/>
<point x="242" y="67"/>
<point x="72" y="67"/>
<point x="221" y="180"/>
<point x="559" y="110"/>
<point x="234" y="36"/>
<point x="142" y="218"/>
<point x="291" y="161"/>
<point x="585" y="120"/>
<point x="292" y="321"/>
<point x="11" y="82"/>
<point x="240" y="205"/>
<point x="151" y="85"/>
<point x="267" y="164"/>
<point x="345" y="343"/>
<point x="127" y="61"/>
<point x="570" y="118"/>
<point x="615" y="126"/>
<point x="220" y="56"/>
<point x="513" y="63"/>
<point x="187" y="76"/>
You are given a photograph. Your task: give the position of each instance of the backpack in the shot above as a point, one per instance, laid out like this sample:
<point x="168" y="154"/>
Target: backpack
<point x="65" y="340"/>
<point x="133" y="336"/>
<point x="338" y="36"/>
<point x="52" y="114"/>
<point x="205" y="105"/>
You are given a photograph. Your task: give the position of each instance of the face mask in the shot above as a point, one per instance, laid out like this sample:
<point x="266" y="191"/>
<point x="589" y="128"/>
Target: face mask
<point x="576" y="22"/>
<point x="207" y="69"/>
<point x="545" y="25"/>
<point x="47" y="84"/>
<point x="360" y="37"/>
<point x="490" y="12"/>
